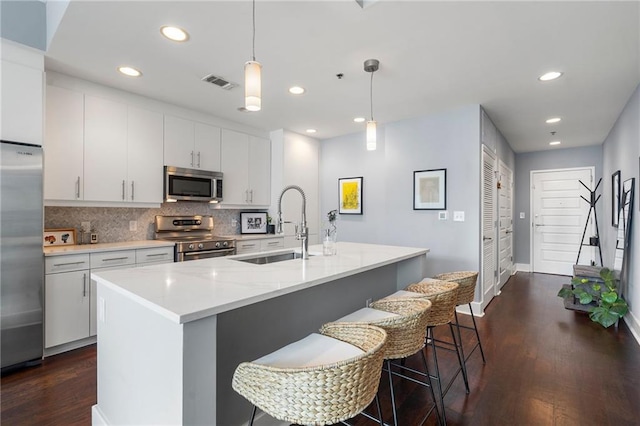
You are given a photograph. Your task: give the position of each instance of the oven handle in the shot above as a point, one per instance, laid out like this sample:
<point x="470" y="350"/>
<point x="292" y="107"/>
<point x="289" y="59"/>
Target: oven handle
<point x="206" y="253"/>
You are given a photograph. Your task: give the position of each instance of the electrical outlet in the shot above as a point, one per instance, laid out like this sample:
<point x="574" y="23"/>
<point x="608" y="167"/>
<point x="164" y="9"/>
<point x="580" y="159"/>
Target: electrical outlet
<point x="367" y="303"/>
<point x="133" y="225"/>
<point x="458" y="216"/>
<point x="86" y="226"/>
<point x="234" y="222"/>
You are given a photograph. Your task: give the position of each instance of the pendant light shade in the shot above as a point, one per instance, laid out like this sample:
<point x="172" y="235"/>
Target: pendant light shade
<point x="252" y="86"/>
<point x="371" y="65"/>
<point x="371" y="135"/>
<point x="253" y="75"/>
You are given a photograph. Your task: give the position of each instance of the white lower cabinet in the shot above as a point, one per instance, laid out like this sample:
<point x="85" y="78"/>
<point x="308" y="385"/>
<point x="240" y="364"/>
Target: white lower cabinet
<point x="259" y="244"/>
<point x="67" y="299"/>
<point x="70" y="293"/>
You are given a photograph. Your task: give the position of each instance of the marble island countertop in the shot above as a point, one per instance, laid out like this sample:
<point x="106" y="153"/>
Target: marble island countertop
<point x="188" y="291"/>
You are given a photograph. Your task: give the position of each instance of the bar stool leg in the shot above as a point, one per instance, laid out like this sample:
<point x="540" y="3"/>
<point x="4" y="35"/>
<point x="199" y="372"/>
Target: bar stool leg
<point x="379" y="410"/>
<point x="473" y="318"/>
<point x="433" y="394"/>
<point x="460" y="358"/>
<point x="463" y="364"/>
<point x="437" y="373"/>
<point x="253" y="415"/>
<point x="393" y="399"/>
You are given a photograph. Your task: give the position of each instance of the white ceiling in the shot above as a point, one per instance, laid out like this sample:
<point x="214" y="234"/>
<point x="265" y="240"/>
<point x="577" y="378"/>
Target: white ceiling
<point x="434" y="56"/>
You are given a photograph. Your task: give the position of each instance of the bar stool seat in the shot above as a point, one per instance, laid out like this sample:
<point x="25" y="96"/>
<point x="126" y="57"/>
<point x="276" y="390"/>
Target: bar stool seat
<point x="322" y="379"/>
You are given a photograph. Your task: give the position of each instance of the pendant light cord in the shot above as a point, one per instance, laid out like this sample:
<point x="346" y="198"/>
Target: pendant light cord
<point x="253" y="51"/>
<point x="371" y="95"/>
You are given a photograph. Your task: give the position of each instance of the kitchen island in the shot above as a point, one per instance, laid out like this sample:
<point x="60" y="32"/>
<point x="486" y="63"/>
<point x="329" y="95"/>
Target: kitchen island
<point x="170" y="336"/>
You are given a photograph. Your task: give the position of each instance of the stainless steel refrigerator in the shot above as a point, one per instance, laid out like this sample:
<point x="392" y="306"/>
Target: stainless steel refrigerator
<point x="21" y="258"/>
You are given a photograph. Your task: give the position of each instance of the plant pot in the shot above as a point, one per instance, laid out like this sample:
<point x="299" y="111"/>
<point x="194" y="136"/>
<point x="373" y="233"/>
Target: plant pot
<point x="572" y="303"/>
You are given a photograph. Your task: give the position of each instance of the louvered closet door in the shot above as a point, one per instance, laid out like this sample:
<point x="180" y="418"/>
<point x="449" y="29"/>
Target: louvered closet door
<point x="505" y="245"/>
<point x="488" y="226"/>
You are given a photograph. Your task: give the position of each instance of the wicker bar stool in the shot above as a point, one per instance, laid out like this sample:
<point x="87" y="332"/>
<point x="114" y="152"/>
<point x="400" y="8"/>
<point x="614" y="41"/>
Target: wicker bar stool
<point x="443" y="296"/>
<point x="404" y="320"/>
<point x="322" y="379"/>
<point x="467" y="281"/>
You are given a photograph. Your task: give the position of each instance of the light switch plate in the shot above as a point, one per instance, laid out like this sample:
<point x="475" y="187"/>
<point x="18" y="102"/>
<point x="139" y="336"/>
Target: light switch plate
<point x="458" y="216"/>
<point x="133" y="225"/>
<point x="442" y="215"/>
<point x="521" y="215"/>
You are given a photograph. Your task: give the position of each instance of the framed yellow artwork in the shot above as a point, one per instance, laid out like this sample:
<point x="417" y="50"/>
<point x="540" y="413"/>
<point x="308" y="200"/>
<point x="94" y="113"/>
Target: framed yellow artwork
<point x="350" y="193"/>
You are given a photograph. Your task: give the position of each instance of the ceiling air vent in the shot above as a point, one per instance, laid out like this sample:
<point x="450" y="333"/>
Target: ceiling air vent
<point x="219" y="81"/>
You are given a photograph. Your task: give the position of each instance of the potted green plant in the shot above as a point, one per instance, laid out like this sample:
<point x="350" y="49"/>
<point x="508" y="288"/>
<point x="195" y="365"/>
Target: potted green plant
<point x="601" y="297"/>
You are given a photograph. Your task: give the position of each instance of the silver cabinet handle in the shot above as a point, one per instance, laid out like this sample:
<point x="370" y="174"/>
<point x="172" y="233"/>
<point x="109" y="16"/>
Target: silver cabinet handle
<point x="133" y="188"/>
<point x="191" y="158"/>
<point x="123" y="183"/>
<point x="158" y="254"/>
<point x="114" y="258"/>
<point x="68" y="263"/>
<point x="246" y="195"/>
<point x="78" y="188"/>
<point x="539" y="224"/>
<point x="198" y="158"/>
<point x="84" y="285"/>
<point x="251" y="199"/>
<point x="248" y="245"/>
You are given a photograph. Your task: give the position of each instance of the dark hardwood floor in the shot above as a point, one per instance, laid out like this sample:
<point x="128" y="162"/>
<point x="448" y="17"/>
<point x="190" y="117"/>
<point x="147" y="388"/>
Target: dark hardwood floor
<point x="545" y="366"/>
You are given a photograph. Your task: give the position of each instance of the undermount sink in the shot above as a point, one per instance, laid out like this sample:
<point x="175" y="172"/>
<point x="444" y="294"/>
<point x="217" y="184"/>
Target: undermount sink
<point x="271" y="258"/>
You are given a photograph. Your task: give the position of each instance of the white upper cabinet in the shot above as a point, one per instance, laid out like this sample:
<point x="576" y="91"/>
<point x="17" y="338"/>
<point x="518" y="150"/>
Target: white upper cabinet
<point x="144" y="156"/>
<point x="246" y="165"/>
<point x="105" y="150"/>
<point x="489" y="133"/>
<point x="64" y="145"/>
<point x="190" y="144"/>
<point x="22" y="94"/>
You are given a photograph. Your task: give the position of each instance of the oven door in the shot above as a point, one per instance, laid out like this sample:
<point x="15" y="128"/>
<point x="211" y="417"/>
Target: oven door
<point x="205" y="254"/>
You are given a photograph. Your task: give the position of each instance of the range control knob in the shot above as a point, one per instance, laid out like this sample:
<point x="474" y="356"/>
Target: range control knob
<point x="190" y="246"/>
<point x="217" y="245"/>
<point x="200" y="246"/>
<point x="225" y="244"/>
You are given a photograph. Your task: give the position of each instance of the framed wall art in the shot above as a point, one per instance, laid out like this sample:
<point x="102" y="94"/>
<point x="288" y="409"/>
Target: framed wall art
<point x="253" y="222"/>
<point x="59" y="237"/>
<point x="615" y="197"/>
<point x="350" y="193"/>
<point x="430" y="189"/>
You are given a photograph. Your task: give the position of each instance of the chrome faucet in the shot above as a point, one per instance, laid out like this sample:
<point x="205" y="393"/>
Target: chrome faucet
<point x="302" y="231"/>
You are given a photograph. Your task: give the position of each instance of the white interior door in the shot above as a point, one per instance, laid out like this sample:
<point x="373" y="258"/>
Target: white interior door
<point x="559" y="218"/>
<point x="505" y="209"/>
<point x="489" y="270"/>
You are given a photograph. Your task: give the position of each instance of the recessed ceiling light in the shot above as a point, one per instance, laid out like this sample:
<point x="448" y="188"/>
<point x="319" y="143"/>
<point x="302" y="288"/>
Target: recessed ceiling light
<point x="554" y="143"/>
<point x="174" y="33"/>
<point x="553" y="120"/>
<point x="551" y="75"/>
<point x="129" y="71"/>
<point x="296" y="90"/>
<point x="311" y="130"/>
<point x="359" y="119"/>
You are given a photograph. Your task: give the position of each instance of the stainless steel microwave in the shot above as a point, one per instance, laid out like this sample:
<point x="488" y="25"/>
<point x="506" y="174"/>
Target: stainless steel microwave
<point x="182" y="184"/>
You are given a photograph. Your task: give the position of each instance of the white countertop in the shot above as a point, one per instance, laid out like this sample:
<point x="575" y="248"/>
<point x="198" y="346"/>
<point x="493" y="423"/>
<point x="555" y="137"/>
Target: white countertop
<point x="187" y="291"/>
<point x="244" y="237"/>
<point x="94" y="248"/>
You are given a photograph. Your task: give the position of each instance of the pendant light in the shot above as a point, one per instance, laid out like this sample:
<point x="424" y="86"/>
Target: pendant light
<point x="252" y="75"/>
<point x="371" y="65"/>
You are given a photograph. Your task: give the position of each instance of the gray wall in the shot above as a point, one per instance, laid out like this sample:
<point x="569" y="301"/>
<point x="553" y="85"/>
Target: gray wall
<point x="445" y="140"/>
<point x="24" y="22"/>
<point x="544" y="160"/>
<point x="621" y="151"/>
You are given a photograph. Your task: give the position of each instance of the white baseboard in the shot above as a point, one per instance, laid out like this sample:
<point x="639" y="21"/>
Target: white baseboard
<point x="633" y="324"/>
<point x="96" y="417"/>
<point x="70" y="346"/>
<point x="477" y="307"/>
<point x="523" y="267"/>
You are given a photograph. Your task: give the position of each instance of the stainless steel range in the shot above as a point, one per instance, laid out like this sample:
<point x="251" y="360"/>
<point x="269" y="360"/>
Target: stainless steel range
<point x="193" y="237"/>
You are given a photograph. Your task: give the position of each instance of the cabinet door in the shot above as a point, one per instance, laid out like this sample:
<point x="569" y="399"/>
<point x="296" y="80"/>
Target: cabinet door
<point x="67" y="300"/>
<point x="22" y="89"/>
<point x="250" y="246"/>
<point x="207" y="147"/>
<point x="105" y="150"/>
<point x="178" y="142"/>
<point x="259" y="171"/>
<point x="235" y="166"/>
<point x="64" y="145"/>
<point x="144" y="156"/>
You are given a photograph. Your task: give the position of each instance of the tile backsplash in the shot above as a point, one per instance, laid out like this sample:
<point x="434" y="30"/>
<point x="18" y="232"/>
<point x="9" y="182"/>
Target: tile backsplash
<point x="112" y="223"/>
